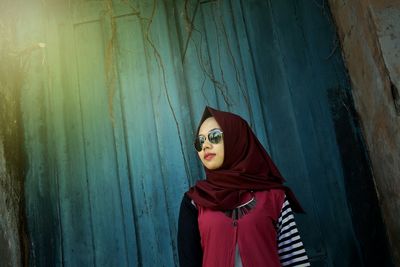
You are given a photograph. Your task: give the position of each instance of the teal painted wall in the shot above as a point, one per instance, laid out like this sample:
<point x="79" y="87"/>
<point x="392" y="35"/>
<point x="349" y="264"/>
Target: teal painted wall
<point x="112" y="99"/>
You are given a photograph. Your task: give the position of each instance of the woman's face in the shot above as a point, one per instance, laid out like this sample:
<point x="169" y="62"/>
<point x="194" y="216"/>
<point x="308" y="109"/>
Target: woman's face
<point x="211" y="155"/>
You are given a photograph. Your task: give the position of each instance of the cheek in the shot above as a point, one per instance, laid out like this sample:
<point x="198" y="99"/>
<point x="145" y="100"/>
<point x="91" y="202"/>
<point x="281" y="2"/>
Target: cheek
<point x="221" y="158"/>
<point x="221" y="155"/>
<point x="200" y="155"/>
<point x="221" y="151"/>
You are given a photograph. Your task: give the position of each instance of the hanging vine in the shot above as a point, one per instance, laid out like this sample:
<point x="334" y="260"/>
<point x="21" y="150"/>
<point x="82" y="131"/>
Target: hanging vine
<point x="109" y="20"/>
<point x="164" y="79"/>
<point x="204" y="64"/>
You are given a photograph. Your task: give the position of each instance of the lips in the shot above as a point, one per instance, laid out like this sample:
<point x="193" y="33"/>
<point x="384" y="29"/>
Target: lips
<point x="209" y="156"/>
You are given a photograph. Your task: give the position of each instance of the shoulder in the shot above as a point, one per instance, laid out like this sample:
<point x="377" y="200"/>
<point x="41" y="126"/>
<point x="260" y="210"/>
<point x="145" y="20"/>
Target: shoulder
<point x="186" y="198"/>
<point x="272" y="199"/>
<point x="274" y="195"/>
<point x="187" y="203"/>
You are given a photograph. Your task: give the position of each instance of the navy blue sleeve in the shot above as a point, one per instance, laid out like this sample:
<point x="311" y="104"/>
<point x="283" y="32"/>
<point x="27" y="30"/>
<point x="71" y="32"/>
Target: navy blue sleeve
<point x="189" y="247"/>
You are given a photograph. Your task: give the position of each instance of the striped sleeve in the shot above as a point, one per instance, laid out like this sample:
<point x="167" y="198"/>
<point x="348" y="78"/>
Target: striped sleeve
<point x="290" y="247"/>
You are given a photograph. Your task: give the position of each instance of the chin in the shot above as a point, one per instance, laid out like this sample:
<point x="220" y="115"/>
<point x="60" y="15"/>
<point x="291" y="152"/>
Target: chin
<point x="212" y="166"/>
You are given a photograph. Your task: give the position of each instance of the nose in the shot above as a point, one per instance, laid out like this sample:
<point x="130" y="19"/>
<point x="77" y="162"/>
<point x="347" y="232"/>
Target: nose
<point x="207" y="144"/>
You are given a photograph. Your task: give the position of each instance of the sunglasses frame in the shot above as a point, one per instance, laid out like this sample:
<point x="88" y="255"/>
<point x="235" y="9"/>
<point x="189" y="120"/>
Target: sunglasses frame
<point x="198" y="144"/>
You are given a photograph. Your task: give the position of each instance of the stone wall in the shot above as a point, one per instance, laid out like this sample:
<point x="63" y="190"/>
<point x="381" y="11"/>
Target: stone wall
<point x="9" y="219"/>
<point x="369" y="32"/>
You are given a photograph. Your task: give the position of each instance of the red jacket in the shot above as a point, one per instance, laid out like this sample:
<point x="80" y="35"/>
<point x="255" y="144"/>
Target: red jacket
<point x="255" y="233"/>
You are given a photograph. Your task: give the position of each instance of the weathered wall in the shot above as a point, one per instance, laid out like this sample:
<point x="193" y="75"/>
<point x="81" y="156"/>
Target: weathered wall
<point x="89" y="194"/>
<point x="9" y="240"/>
<point x="12" y="166"/>
<point x="370" y="36"/>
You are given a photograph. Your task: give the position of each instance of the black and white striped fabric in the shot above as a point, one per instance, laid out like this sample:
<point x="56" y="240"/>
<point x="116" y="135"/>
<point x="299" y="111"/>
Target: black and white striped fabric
<point x="290" y="247"/>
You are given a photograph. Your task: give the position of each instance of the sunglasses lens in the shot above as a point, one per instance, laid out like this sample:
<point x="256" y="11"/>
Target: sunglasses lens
<point x="198" y="143"/>
<point x="215" y="136"/>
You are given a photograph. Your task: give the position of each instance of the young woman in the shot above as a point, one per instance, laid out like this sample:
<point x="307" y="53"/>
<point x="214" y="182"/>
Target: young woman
<point x="240" y="215"/>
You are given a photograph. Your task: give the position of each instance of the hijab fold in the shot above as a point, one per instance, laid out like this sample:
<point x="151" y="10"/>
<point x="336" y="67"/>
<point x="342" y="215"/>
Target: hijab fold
<point x="246" y="167"/>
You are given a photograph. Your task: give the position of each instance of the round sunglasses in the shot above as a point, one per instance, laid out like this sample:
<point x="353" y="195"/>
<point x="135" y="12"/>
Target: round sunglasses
<point x="214" y="137"/>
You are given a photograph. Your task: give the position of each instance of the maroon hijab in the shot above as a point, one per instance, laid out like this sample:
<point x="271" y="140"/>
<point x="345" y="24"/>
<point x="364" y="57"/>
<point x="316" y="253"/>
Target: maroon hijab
<point x="247" y="166"/>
